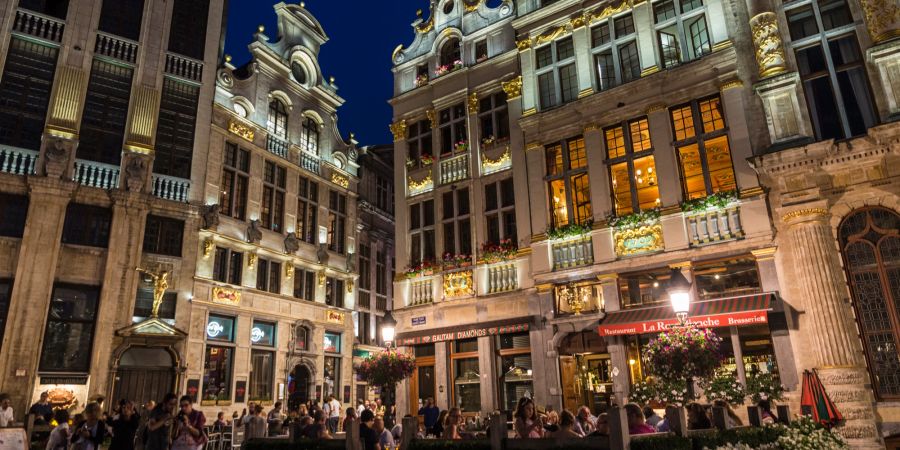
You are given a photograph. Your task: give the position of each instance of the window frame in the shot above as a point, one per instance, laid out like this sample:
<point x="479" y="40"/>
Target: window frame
<point x="497" y="112"/>
<point x="309" y="136"/>
<point x="167" y="227"/>
<point x="554" y="68"/>
<point x="629" y="158"/>
<point x="306" y="225"/>
<point x="501" y="214"/>
<point x="455" y="358"/>
<point x="679" y="21"/>
<point x="419" y="143"/>
<point x="274" y="192"/>
<point x="277" y="119"/>
<point x="268" y="275"/>
<point x="222" y="344"/>
<point x="29" y="73"/>
<point x="337" y="221"/>
<point x="304" y="284"/>
<point x="235" y="181"/>
<point x="457" y="222"/>
<point x="97" y="223"/>
<point x="225" y="273"/>
<point x="90" y="293"/>
<point x="455" y="126"/>
<point x="567" y="174"/>
<point x="334" y="292"/>
<point x="502" y="353"/>
<point x="699" y="138"/>
<point x="422" y="231"/>
<point x="614" y="45"/>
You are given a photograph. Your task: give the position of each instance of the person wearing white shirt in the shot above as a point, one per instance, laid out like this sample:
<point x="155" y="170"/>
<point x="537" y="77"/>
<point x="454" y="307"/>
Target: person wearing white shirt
<point x="59" y="437"/>
<point x="7" y="418"/>
<point x="332" y="410"/>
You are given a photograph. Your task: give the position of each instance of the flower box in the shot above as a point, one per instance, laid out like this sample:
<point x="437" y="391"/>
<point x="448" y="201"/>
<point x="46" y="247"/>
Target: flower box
<point x="498" y="252"/>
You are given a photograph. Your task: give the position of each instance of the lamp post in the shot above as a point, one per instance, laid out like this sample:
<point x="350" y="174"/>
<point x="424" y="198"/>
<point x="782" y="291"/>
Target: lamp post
<point x="679" y="289"/>
<point x="388" y="328"/>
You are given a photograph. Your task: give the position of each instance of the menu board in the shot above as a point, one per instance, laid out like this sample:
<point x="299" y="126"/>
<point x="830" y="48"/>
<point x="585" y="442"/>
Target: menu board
<point x="13" y="439"/>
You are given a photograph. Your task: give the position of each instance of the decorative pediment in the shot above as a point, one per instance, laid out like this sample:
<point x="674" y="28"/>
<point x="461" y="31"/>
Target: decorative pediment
<point x="153" y="327"/>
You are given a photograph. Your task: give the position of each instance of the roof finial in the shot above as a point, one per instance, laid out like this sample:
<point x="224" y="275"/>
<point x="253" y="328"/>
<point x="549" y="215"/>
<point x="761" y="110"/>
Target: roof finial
<point x="260" y="28"/>
<point x="419" y="12"/>
<point x="303" y="4"/>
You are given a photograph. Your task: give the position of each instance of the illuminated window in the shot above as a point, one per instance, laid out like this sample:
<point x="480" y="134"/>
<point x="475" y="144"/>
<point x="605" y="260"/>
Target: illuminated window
<point x="235" y="182"/>
<point x="276" y="123"/>
<point x="567" y="183"/>
<point x="704" y="154"/>
<point x="632" y="168"/>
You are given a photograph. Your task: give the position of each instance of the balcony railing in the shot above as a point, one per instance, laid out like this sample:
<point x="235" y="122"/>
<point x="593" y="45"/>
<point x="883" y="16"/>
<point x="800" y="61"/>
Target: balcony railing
<point x="502" y="277"/>
<point x="116" y="47"/>
<point x="717" y="225"/>
<point x="276" y="146"/>
<point x="171" y="188"/>
<point x="309" y="162"/>
<point x="421" y="292"/>
<point x="455" y="169"/>
<point x="184" y="67"/>
<point x="95" y="174"/>
<point x="17" y="161"/>
<point x="39" y="26"/>
<point x="574" y="252"/>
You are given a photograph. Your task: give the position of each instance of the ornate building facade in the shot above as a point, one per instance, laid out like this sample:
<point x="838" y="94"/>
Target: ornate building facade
<point x="715" y="138"/>
<point x="276" y="284"/>
<point x="104" y="125"/>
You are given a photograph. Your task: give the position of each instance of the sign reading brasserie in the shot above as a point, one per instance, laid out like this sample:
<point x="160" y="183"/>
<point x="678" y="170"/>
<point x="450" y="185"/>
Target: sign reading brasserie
<point x="714" y="321"/>
<point x="334" y="317"/>
<point x="463" y="334"/>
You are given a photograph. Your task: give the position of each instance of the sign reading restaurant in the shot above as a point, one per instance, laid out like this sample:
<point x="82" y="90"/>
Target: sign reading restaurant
<point x="655" y="326"/>
<point x="467" y="333"/>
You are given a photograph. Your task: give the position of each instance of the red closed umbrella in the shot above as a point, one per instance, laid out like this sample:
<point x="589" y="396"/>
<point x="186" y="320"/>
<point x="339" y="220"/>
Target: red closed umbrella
<point x="816" y="403"/>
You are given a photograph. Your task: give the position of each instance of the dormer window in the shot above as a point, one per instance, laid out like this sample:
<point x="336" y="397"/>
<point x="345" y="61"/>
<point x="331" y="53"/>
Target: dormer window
<point x="299" y="72"/>
<point x="309" y="138"/>
<point x="450" y="53"/>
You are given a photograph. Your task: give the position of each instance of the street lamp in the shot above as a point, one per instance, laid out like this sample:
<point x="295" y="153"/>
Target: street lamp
<point x="388" y="328"/>
<point x="679" y="289"/>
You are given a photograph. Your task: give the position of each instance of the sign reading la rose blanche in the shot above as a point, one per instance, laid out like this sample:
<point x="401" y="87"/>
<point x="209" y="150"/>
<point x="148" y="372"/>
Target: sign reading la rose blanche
<point x="463" y="334"/>
<point x="656" y="326"/>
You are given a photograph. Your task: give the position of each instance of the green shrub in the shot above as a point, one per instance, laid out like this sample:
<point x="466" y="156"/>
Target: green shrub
<point x="754" y="437"/>
<point x="670" y="442"/>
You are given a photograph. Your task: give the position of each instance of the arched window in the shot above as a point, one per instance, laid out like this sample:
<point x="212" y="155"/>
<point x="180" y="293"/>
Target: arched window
<point x="870" y="243"/>
<point x="309" y="139"/>
<point x="277" y="121"/>
<point x="450" y="52"/>
<point x="301" y="338"/>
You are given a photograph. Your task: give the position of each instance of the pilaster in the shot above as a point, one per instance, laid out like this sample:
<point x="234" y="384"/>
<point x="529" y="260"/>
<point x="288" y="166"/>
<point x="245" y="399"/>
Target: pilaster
<point x="601" y="197"/>
<point x="886" y="58"/>
<point x="488" y="373"/>
<point x="664" y="157"/>
<point x="442" y="376"/>
<point x="534" y="156"/>
<point x="739" y="134"/>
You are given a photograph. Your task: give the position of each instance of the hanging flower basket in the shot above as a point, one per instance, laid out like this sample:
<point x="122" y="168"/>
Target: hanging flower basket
<point x="684" y="353"/>
<point x="386" y="369"/>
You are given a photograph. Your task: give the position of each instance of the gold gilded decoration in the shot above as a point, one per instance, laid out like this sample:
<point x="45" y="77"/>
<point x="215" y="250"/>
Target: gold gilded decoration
<point x="489" y="166"/>
<point x="61" y="398"/>
<point x="251" y="260"/>
<point x="814" y="212"/>
<point x="550" y="35"/>
<point x="289" y="271"/>
<point x="649" y="71"/>
<point x="398" y="129"/>
<point x="586" y="92"/>
<point x="524" y="44"/>
<point x="208" y="245"/>
<point x="731" y="85"/>
<point x="340" y="180"/>
<point x="656" y="107"/>
<point x="768" y="44"/>
<point x="513" y="88"/>
<point x="473" y="103"/>
<point x="143" y="120"/>
<point x="764" y="253"/>
<point x="472" y="6"/>
<point x="533" y="146"/>
<point x="529" y="112"/>
<point x="334" y="316"/>
<point x="608" y="10"/>
<point x="67" y="100"/>
<point x="425" y="27"/>
<point x="431" y="114"/>
<point x="397" y="50"/>
<point x="322" y="278"/>
<point x="244" y="131"/>
<point x="751" y="192"/>
<point x="577" y="22"/>
<point x="458" y="284"/>
<point x="576" y="298"/>
<point x="420" y="186"/>
<point x="882" y="19"/>
<point x="350" y="286"/>
<point x="643" y="239"/>
<point x="591" y="127"/>
<point x="722" y="45"/>
<point x="160" y="285"/>
<point x="226" y="296"/>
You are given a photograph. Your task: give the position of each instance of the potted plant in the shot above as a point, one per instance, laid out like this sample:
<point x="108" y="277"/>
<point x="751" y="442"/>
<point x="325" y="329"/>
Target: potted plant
<point x="492" y="252"/>
<point x="714" y="201"/>
<point x="421" y="79"/>
<point x="725" y="387"/>
<point x="461" y="146"/>
<point x="634" y="220"/>
<point x="570" y="230"/>
<point x="427" y="159"/>
<point x="451" y="261"/>
<point x="424" y="268"/>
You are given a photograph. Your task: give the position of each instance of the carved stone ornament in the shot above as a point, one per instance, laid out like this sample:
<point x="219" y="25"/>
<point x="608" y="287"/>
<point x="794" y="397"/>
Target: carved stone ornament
<point x="351" y="262"/>
<point x="136" y="172"/>
<point x="210" y="216"/>
<point x="291" y="243"/>
<point x="322" y="254"/>
<point x="56" y="158"/>
<point x="768" y="44"/>
<point x="513" y="88"/>
<point x="398" y="129"/>
<point x="254" y="234"/>
<point x="882" y="19"/>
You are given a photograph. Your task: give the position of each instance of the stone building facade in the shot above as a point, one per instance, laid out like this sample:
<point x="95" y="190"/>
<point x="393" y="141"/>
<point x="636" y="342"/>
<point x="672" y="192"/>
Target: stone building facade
<point x="276" y="284"/>
<point x="650" y="136"/>
<point x="105" y="124"/>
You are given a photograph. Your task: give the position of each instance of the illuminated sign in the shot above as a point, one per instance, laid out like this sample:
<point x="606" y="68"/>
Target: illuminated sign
<point x="214" y="329"/>
<point x="256" y="335"/>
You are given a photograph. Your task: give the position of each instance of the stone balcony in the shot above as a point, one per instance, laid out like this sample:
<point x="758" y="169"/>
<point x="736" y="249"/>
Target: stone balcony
<point x="716" y="225"/>
<point x="454" y="169"/>
<point x="464" y="283"/>
<point x="572" y="252"/>
<point x="17" y="161"/>
<point x="495" y="157"/>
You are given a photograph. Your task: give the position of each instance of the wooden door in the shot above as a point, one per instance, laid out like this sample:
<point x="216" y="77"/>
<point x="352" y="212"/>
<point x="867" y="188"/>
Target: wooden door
<point x="143" y="385"/>
<point x="568" y="374"/>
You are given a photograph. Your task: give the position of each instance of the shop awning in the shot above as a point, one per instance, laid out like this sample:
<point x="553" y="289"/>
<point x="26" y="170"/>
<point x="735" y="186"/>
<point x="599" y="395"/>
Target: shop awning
<point x="725" y="312"/>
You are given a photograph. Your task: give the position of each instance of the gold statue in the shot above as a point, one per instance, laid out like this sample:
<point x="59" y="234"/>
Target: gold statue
<point x="160" y="285"/>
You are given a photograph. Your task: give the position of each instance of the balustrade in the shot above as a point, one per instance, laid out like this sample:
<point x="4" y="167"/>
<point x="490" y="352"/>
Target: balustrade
<point x="171" y="188"/>
<point x="276" y="146"/>
<point x="184" y="67"/>
<point x="17" y="161"/>
<point x="39" y="26"/>
<point x="572" y="253"/>
<point x="455" y="169"/>
<point x="116" y="47"/>
<point x="502" y="277"/>
<point x="714" y="225"/>
<point x="309" y="162"/>
<point x="95" y="174"/>
<point x="421" y="292"/>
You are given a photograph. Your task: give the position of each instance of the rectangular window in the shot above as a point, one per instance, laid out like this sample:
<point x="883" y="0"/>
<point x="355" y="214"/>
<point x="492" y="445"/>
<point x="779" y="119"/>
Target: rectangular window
<point x="644" y="288"/>
<point x="307" y="210"/>
<point x="163" y="236"/>
<point x="452" y="128"/>
<point x="418" y="143"/>
<point x="235" y="182"/>
<point x="102" y="130"/>
<point x="262" y="375"/>
<point x="681" y="31"/>
<point x="272" y="214"/>
<point x="175" y="127"/>
<point x="53" y="8"/>
<point x="188" y="28"/>
<point x="69" y="335"/>
<point x="268" y="276"/>
<point x="516" y="376"/>
<point x="304" y="284"/>
<point x="493" y="117"/>
<point x="217" y="364"/>
<point x="726" y="278"/>
<point x="337" y="221"/>
<point x="466" y="375"/>
<point x="557" y="76"/>
<point x="457" y="223"/>
<point x="143" y="305"/>
<point x="334" y="292"/>
<point x="87" y="225"/>
<point x="220" y="328"/>
<point x="122" y="18"/>
<point x="702" y="146"/>
<point x="363" y="328"/>
<point x="384" y="195"/>
<point x="381" y="275"/>
<point x="500" y="211"/>
<point x="365" y="267"/>
<point x="567" y="182"/>
<point x="228" y="266"/>
<point x="25" y="93"/>
<point x="632" y="168"/>
<point x="421" y="231"/>
<point x="481" y="50"/>
<point x="14" y="211"/>
<point x="615" y="50"/>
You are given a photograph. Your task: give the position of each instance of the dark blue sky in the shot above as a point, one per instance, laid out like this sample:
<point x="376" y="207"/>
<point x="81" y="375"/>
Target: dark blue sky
<point x="362" y="36"/>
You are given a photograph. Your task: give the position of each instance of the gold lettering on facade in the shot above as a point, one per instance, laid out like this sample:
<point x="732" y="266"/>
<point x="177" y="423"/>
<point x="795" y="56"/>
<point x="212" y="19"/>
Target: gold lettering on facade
<point x="243" y="131"/>
<point x="340" y="180"/>
<point x="643" y="239"/>
<point x="226" y="296"/>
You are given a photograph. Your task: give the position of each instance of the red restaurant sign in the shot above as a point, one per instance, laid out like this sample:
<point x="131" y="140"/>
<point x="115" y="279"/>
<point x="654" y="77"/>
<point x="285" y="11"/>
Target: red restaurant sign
<point x="713" y="321"/>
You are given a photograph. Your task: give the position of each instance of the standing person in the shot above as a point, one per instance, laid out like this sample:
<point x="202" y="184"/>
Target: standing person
<point x="317" y="430"/>
<point x="159" y="426"/>
<point x="351" y="414"/>
<point x="333" y="411"/>
<point x="255" y="426"/>
<point x="430" y="413"/>
<point x="361" y="407"/>
<point x="189" y="426"/>
<point x="7" y="418"/>
<point x="275" y="419"/>
<point x="42" y="410"/>
<point x="438" y="429"/>
<point x="59" y="437"/>
<point x="124" y="426"/>
<point x="527" y="423"/>
<point x="451" y="428"/>
<point x="379" y="408"/>
<point x="385" y="438"/>
<point x="367" y="431"/>
<point x="90" y="433"/>
<point x="636" y="421"/>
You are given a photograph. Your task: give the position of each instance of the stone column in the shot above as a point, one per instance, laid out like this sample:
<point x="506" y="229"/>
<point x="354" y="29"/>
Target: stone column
<point x="781" y="320"/>
<point x="489" y="381"/>
<point x="836" y="350"/>
<point x="33" y="286"/>
<point x="442" y="376"/>
<point x="882" y="19"/>
<point x="513" y="89"/>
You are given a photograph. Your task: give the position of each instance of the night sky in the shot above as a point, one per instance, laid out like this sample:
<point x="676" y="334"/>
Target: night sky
<point x="362" y="35"/>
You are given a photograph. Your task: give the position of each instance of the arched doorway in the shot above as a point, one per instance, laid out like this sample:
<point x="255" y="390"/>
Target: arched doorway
<point x="870" y="245"/>
<point x="143" y="374"/>
<point x="299" y="383"/>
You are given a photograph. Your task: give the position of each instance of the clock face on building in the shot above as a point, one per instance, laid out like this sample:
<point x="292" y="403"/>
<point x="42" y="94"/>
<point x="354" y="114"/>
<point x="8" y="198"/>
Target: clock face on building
<point x="299" y="72"/>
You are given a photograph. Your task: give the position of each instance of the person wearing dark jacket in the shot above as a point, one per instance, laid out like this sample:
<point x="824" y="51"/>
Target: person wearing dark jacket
<point x="124" y="426"/>
<point x="90" y="433"/>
